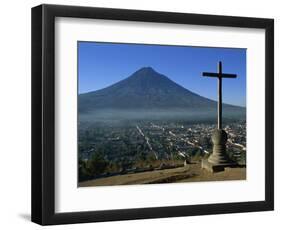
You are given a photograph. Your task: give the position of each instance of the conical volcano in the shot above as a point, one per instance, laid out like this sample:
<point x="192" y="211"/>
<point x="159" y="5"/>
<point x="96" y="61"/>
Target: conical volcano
<point x="148" y="90"/>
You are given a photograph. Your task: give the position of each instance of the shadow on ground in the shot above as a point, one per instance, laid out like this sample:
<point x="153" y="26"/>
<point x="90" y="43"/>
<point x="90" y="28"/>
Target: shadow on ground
<point x="25" y="216"/>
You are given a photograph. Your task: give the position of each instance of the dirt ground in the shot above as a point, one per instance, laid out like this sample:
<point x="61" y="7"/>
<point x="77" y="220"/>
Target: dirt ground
<point x="189" y="173"/>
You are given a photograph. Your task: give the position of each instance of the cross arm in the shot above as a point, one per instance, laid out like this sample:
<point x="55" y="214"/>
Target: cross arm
<point x="228" y="75"/>
<point x="207" y="74"/>
<point x="223" y="75"/>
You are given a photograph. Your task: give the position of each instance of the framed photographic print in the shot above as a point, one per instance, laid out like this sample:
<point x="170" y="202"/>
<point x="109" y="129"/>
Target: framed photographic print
<point x="142" y="114"/>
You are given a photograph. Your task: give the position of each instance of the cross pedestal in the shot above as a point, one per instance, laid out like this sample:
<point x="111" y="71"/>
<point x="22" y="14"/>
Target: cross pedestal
<point x="218" y="160"/>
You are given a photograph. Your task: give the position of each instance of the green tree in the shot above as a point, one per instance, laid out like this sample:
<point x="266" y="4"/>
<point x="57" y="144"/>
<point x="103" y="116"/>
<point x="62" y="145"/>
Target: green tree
<point x="83" y="170"/>
<point x="97" y="164"/>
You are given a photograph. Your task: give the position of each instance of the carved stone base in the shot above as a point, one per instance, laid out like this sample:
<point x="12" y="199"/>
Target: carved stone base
<point x="210" y="167"/>
<point x="218" y="160"/>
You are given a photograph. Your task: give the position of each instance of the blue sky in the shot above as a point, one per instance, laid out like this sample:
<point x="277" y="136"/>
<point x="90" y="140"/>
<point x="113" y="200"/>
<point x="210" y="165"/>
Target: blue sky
<point x="103" y="64"/>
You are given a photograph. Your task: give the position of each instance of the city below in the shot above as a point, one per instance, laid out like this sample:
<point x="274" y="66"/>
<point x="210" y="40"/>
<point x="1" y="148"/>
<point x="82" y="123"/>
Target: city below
<point x="135" y="147"/>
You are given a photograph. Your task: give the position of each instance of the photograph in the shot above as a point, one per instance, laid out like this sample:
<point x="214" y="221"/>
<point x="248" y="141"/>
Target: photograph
<point x="154" y="114"/>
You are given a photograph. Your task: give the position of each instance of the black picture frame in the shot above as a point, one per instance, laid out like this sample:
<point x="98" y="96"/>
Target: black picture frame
<point x="43" y="114"/>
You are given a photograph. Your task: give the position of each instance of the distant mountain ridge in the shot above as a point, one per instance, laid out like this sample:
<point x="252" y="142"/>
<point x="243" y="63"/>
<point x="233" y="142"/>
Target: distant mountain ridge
<point x="147" y="90"/>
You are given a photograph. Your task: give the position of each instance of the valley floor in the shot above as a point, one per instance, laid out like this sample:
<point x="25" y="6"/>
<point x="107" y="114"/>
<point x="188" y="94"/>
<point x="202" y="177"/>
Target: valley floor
<point x="189" y="173"/>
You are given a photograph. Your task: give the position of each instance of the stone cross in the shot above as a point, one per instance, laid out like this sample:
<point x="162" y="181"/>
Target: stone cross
<point x="220" y="75"/>
<point x="218" y="160"/>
